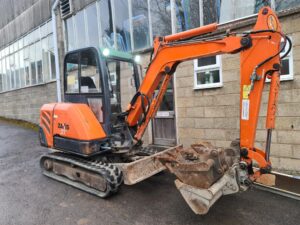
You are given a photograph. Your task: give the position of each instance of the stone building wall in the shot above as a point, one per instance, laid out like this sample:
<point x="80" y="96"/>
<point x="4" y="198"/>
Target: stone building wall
<point x="25" y="103"/>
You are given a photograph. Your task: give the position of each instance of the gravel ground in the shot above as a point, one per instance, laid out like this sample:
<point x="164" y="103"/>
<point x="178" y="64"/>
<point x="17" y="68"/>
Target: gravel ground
<point x="29" y="198"/>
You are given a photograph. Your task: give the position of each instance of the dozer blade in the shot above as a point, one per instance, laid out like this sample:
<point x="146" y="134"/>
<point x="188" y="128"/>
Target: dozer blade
<point x="96" y="178"/>
<point x="204" y="173"/>
<point x="144" y="168"/>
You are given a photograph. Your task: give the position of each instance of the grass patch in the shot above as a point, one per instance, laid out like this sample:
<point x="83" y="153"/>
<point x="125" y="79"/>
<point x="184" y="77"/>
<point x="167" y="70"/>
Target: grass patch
<point x="21" y="123"/>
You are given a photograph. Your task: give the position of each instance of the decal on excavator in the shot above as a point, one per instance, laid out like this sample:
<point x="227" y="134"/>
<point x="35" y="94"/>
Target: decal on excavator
<point x="246" y="91"/>
<point x="272" y="22"/>
<point x="63" y="128"/>
<point x="245" y="109"/>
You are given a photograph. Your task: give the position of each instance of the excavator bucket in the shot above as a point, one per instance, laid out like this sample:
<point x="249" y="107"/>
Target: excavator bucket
<point x="204" y="173"/>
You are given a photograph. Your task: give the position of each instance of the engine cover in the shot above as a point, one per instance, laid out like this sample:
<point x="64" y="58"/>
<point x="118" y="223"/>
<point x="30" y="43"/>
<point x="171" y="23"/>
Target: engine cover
<point x="71" y="127"/>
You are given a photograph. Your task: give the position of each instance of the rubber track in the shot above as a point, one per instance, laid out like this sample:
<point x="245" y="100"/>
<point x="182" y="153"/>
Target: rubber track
<point x="112" y="174"/>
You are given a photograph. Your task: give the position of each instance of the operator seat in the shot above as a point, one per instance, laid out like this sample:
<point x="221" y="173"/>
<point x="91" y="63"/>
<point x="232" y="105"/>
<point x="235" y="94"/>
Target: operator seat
<point x="87" y="81"/>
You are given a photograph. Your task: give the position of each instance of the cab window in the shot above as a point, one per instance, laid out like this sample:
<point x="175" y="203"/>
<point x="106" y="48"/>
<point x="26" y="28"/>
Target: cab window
<point x="82" y="72"/>
<point x="122" y="83"/>
<point x="72" y="73"/>
<point x="90" y="77"/>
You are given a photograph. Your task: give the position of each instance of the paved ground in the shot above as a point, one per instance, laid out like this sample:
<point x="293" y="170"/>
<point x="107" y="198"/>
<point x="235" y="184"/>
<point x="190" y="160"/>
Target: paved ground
<point x="29" y="198"/>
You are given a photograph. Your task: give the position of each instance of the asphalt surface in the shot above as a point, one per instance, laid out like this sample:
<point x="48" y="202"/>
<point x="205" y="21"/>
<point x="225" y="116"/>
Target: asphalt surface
<point x="28" y="198"/>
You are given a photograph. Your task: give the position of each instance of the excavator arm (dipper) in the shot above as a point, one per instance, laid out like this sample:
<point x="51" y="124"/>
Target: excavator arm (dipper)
<point x="259" y="58"/>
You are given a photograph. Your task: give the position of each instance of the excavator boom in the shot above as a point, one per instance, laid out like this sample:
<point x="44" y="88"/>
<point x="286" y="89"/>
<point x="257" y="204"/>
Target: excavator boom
<point x="259" y="58"/>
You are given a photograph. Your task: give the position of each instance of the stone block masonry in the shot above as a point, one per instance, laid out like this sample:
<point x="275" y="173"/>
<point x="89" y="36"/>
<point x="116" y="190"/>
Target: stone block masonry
<point x="25" y="103"/>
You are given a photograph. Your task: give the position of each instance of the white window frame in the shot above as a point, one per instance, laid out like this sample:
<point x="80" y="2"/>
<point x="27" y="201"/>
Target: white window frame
<point x="290" y="76"/>
<point x="289" y="57"/>
<point x="198" y="69"/>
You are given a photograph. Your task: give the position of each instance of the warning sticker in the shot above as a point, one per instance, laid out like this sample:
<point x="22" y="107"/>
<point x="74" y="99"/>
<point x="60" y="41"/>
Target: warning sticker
<point x="245" y="109"/>
<point x="246" y="91"/>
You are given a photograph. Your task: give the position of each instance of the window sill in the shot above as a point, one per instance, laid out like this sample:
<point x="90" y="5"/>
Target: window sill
<point x="35" y="85"/>
<point x="208" y="86"/>
<point x="283" y="78"/>
<point x="287" y="78"/>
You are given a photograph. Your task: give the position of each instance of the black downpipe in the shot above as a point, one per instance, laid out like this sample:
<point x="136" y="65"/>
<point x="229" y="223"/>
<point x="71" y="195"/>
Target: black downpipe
<point x="110" y="18"/>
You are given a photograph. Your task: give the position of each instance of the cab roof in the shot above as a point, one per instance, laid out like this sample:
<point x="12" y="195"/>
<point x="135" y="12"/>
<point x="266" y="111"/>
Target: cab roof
<point x="116" y="54"/>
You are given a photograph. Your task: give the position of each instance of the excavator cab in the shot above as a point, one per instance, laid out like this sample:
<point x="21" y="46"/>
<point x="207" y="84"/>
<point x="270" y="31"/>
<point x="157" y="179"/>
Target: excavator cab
<point x="102" y="80"/>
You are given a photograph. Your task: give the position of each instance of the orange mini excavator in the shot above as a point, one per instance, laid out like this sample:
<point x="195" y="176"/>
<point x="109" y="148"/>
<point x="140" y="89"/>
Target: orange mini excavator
<point x="95" y="136"/>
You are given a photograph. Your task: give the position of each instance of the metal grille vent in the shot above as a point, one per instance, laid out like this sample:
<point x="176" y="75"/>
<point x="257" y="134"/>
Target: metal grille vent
<point x="65" y="8"/>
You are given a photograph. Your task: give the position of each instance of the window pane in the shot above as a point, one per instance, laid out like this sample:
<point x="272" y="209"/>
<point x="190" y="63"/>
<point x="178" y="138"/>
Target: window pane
<point x="35" y="35"/>
<point x="261" y="3"/>
<point x="7" y="73"/>
<point x="20" y="43"/>
<point x="92" y="22"/>
<point x="4" y="79"/>
<point x="49" y="25"/>
<point x="12" y="71"/>
<point x="44" y="30"/>
<point x="38" y="60"/>
<point x="17" y="69"/>
<point x="70" y="34"/>
<point x="22" y="68"/>
<point x="285" y="69"/>
<point x="27" y="66"/>
<point x="53" y="71"/>
<point x="4" y="74"/>
<point x="16" y="46"/>
<point x="208" y="77"/>
<point x="161" y="17"/>
<point x="240" y="8"/>
<point x="6" y="51"/>
<point x="45" y="58"/>
<point x="187" y="13"/>
<point x="72" y="73"/>
<point x="50" y="42"/>
<point x="17" y="79"/>
<point x="106" y="24"/>
<point x="282" y="5"/>
<point x="32" y="63"/>
<point x="11" y="49"/>
<point x="80" y="30"/>
<point x="90" y="78"/>
<point x="140" y="23"/>
<point x="122" y="25"/>
<point x="211" y="11"/>
<point x="206" y="61"/>
<point x="26" y="40"/>
<point x="0" y="82"/>
<point x="122" y="85"/>
<point x="52" y="57"/>
<point x="1" y="77"/>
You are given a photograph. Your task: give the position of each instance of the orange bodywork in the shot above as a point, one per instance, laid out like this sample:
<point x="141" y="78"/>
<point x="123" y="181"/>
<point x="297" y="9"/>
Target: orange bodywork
<point x="171" y="50"/>
<point x="191" y="33"/>
<point x="69" y="120"/>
